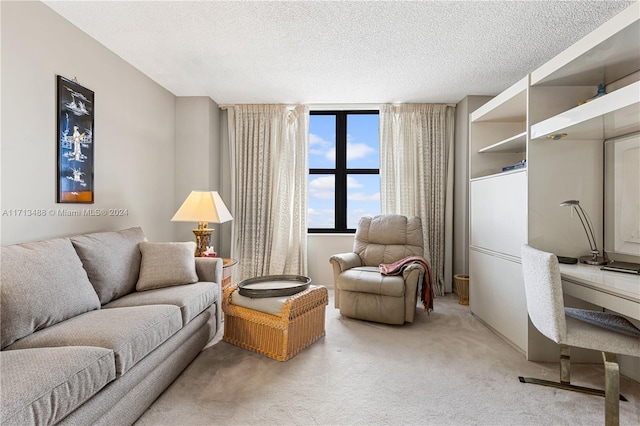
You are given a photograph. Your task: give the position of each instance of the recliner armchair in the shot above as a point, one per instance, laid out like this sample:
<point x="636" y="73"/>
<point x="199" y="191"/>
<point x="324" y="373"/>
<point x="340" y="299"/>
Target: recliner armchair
<point x="361" y="291"/>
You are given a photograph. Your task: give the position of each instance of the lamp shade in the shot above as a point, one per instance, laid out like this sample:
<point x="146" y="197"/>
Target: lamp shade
<point x="203" y="206"/>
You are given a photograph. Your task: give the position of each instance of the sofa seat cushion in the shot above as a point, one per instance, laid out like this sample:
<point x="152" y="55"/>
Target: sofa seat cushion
<point x="368" y="279"/>
<point x="41" y="386"/>
<point x="192" y="299"/>
<point x="112" y="260"/>
<point x="131" y="333"/>
<point x="43" y="283"/>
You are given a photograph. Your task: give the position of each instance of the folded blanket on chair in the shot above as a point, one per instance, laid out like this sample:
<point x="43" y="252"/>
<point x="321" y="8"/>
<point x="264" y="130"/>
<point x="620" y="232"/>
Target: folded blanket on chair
<point x="397" y="267"/>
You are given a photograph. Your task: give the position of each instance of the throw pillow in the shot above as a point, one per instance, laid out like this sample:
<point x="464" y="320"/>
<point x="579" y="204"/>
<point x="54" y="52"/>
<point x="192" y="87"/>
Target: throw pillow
<point x="606" y="320"/>
<point x="112" y="261"/>
<point x="166" y="264"/>
<point x="43" y="283"/>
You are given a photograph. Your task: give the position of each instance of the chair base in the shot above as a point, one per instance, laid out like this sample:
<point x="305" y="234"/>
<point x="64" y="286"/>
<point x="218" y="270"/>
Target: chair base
<point x="566" y="386"/>
<point x="611" y="395"/>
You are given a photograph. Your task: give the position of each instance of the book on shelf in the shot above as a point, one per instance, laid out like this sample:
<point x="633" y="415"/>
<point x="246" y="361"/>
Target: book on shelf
<point x="519" y="165"/>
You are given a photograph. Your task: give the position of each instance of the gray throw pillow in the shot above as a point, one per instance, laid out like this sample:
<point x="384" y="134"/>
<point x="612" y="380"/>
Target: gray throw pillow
<point x="606" y="320"/>
<point x="43" y="284"/>
<point x="166" y="264"/>
<point x="112" y="261"/>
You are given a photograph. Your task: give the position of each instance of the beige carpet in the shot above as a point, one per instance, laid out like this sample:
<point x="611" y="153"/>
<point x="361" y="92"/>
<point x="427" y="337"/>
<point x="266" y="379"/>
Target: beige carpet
<point x="444" y="369"/>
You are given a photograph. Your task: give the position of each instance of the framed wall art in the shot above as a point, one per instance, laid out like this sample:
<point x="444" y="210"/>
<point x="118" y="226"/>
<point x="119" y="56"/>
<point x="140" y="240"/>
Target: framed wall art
<point x="622" y="195"/>
<point x="75" y="143"/>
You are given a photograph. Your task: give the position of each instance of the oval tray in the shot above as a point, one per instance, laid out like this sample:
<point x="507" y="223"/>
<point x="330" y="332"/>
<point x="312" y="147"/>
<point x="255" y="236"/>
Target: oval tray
<point x="273" y="286"/>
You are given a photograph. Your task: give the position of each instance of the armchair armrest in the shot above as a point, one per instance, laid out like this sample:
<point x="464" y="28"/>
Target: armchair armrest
<point x="342" y="262"/>
<point x="413" y="278"/>
<point x="345" y="261"/>
<point x="406" y="272"/>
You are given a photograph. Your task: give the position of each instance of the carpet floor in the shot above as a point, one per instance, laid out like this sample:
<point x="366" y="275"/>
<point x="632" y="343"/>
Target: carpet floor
<point x="446" y="368"/>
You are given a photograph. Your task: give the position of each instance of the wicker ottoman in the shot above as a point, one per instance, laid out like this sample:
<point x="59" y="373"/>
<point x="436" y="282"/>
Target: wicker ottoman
<point x="300" y="323"/>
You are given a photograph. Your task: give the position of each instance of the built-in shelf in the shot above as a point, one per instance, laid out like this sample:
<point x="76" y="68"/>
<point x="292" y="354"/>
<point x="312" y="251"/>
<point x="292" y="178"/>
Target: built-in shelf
<point x="498" y="174"/>
<point x="508" y="106"/>
<point x="605" y="55"/>
<point x="608" y="116"/>
<point x="514" y="144"/>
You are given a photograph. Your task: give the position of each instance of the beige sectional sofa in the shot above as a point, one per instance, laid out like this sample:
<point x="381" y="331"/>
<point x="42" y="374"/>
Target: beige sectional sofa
<point x="96" y="326"/>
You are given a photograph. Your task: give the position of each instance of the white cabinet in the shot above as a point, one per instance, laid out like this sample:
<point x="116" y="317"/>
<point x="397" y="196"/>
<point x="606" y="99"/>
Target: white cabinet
<point x="499" y="203"/>
<point x="498" y="138"/>
<point x="551" y="119"/>
<point x="497" y="294"/>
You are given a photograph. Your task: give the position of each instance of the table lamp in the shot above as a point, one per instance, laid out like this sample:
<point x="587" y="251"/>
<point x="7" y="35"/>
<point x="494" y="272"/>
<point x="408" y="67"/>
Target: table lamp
<point x="203" y="207"/>
<point x="595" y="258"/>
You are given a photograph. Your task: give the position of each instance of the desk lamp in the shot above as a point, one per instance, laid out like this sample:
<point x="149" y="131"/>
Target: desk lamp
<point x="595" y="258"/>
<point x="203" y="207"/>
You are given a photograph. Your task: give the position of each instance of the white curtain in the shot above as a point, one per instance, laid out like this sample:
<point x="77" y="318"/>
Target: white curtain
<point x="416" y="176"/>
<point x="268" y="147"/>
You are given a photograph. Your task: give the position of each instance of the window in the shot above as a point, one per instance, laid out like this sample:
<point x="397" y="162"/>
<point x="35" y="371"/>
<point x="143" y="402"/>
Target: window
<point x="344" y="169"/>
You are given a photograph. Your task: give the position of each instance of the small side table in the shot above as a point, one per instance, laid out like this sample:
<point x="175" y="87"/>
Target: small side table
<point x="227" y="269"/>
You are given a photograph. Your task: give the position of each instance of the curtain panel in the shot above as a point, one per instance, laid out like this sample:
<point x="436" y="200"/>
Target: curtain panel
<point x="416" y="176"/>
<point x="268" y="146"/>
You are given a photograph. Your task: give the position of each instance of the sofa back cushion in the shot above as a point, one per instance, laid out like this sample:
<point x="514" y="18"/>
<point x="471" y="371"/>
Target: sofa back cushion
<point x="112" y="260"/>
<point x="43" y="284"/>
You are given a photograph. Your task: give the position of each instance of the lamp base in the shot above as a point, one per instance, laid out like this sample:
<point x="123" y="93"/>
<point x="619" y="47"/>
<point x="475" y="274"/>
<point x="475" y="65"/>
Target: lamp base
<point x="591" y="260"/>
<point x="203" y="239"/>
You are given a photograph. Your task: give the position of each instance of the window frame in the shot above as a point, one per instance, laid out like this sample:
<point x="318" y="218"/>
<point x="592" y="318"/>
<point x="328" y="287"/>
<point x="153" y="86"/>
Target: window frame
<point x="340" y="172"/>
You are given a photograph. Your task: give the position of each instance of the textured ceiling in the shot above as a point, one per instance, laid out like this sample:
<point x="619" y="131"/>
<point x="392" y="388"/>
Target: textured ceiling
<point x="336" y="52"/>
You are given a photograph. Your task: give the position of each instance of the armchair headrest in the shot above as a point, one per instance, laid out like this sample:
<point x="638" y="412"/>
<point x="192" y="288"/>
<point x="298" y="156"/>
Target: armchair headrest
<point x="387" y="238"/>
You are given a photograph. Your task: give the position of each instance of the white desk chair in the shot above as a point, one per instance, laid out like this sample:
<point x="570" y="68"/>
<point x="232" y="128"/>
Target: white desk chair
<point x="602" y="331"/>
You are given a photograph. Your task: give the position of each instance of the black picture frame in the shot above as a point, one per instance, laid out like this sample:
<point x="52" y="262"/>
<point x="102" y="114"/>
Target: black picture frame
<point x="75" y="143"/>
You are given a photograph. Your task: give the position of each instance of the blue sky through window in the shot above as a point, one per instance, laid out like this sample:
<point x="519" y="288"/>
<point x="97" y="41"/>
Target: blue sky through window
<point x="363" y="191"/>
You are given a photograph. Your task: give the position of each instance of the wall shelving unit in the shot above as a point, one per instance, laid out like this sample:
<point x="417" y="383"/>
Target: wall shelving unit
<point x="514" y="144"/>
<point x="508" y="209"/>
<point x="606" y="117"/>
<point x="499" y="131"/>
<point x="497" y="204"/>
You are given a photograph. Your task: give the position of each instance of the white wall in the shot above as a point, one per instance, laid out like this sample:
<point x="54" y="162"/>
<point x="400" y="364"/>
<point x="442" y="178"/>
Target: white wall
<point x="320" y="247"/>
<point x="134" y="130"/>
<point x="197" y="153"/>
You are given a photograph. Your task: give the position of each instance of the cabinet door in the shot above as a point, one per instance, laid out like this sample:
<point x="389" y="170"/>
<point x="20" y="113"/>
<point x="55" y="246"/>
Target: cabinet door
<point x="496" y="296"/>
<point x="499" y="213"/>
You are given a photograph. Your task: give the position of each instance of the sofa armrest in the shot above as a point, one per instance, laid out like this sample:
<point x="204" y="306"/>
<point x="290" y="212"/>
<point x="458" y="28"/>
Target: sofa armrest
<point x="209" y="269"/>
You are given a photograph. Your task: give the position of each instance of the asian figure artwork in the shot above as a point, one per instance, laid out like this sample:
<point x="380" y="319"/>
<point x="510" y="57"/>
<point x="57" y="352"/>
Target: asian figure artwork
<point x="75" y="143"/>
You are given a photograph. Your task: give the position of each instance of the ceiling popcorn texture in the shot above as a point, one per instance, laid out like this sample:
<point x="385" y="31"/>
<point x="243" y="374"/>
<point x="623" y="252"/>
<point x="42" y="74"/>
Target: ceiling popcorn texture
<point x="319" y="52"/>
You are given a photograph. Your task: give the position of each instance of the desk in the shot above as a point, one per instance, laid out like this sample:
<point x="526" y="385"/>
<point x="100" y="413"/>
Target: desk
<point x="615" y="291"/>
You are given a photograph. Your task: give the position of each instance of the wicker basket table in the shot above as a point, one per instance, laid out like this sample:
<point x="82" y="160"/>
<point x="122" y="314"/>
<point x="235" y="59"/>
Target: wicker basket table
<point x="300" y="323"/>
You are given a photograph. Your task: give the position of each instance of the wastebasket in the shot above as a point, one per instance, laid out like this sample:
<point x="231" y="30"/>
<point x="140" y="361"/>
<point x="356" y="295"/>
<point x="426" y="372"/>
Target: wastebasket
<point x="462" y="288"/>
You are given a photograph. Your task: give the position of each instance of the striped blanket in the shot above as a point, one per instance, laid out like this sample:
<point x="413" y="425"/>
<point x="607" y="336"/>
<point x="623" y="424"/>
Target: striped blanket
<point x="397" y="267"/>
